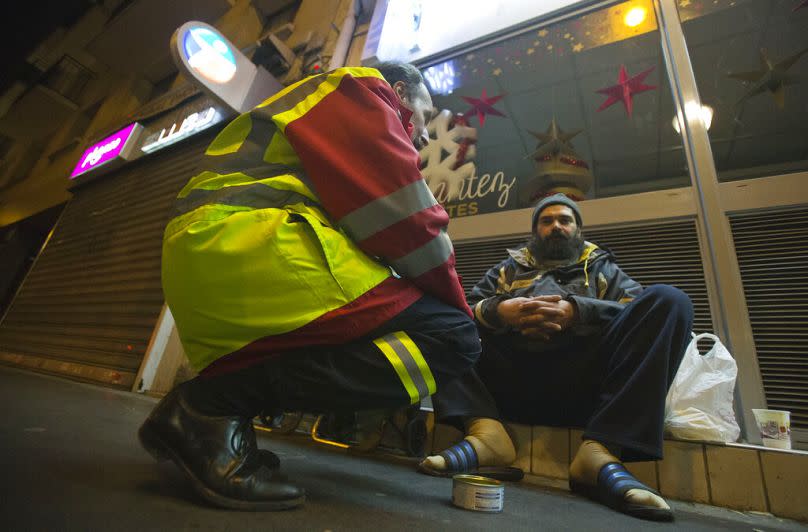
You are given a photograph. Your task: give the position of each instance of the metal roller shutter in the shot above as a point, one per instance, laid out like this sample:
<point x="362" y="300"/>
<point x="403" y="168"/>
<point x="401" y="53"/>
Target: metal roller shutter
<point x="651" y="254"/>
<point x="88" y="306"/>
<point x="772" y="249"/>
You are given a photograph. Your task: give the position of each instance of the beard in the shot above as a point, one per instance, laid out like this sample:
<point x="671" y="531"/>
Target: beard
<point x="556" y="246"/>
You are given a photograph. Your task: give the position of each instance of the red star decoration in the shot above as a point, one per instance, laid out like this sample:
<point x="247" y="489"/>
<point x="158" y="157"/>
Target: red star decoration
<point x="625" y="88"/>
<point x="799" y="6"/>
<point x="483" y="105"/>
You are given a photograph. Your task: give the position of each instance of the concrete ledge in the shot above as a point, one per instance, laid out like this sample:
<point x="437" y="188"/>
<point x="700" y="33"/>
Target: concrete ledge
<point x="737" y="476"/>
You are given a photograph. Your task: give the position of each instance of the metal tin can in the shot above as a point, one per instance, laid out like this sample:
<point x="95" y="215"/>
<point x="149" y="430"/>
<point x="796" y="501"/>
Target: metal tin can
<point x="476" y="493"/>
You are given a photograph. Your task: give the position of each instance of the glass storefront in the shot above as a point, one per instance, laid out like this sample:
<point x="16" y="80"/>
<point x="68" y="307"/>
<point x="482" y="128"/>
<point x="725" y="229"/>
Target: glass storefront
<point x="582" y="106"/>
<point x="580" y="101"/>
<point x="750" y="59"/>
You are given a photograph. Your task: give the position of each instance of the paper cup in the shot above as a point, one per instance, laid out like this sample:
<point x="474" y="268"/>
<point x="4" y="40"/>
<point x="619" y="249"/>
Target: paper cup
<point x="774" y="427"/>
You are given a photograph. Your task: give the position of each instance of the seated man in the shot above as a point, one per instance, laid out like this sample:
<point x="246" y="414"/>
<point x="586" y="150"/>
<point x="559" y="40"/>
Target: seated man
<point x="278" y="269"/>
<point x="570" y="340"/>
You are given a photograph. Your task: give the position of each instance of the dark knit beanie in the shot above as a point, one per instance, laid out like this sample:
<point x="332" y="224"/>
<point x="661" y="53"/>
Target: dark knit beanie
<point x="556" y="199"/>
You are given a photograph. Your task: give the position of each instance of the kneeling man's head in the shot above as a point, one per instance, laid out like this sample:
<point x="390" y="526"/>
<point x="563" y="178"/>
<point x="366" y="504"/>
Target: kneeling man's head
<point x="556" y="229"/>
<point x="411" y="91"/>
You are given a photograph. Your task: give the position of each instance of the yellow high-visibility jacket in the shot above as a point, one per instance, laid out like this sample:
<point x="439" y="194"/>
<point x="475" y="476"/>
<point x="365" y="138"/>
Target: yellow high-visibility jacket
<point x="287" y="236"/>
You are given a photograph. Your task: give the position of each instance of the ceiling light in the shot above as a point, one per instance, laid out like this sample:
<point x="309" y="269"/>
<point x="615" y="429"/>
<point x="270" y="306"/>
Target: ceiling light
<point x="635" y="16"/>
<point x="693" y="110"/>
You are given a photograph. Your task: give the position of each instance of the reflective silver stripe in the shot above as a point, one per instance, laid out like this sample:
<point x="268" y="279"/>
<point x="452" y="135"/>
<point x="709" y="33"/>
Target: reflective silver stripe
<point x="409" y="363"/>
<point x="250" y="155"/>
<point x="255" y="195"/>
<point x="384" y="212"/>
<point x="259" y="171"/>
<point x="432" y="254"/>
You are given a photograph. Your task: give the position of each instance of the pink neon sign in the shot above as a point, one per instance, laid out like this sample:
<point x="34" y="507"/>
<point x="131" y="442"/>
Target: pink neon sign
<point x="103" y="151"/>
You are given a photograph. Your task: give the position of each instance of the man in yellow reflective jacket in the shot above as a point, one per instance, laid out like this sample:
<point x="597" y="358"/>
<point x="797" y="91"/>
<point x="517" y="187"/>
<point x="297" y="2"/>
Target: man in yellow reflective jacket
<point x="307" y="267"/>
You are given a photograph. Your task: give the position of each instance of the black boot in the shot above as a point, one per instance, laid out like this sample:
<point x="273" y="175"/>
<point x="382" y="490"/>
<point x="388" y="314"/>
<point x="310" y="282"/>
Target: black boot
<point x="219" y="456"/>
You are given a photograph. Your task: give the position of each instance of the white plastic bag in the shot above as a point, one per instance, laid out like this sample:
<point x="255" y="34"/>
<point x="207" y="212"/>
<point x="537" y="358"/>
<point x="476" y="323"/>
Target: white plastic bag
<point x="699" y="402"/>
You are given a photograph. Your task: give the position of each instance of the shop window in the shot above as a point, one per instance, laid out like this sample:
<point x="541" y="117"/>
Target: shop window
<point x="750" y="59"/>
<point x="582" y="106"/>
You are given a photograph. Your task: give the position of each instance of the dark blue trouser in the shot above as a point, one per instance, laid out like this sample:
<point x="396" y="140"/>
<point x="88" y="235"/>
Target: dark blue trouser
<point x="349" y="377"/>
<point x="613" y="384"/>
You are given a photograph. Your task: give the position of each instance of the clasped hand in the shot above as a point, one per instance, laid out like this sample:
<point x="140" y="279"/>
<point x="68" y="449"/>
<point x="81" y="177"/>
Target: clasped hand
<point x="539" y="316"/>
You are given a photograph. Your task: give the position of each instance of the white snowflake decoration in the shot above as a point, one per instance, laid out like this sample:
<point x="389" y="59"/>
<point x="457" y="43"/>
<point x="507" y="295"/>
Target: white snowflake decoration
<point x="446" y="160"/>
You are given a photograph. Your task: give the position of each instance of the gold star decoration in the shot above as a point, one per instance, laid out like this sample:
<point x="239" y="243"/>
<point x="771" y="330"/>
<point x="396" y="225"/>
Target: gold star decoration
<point x="772" y="77"/>
<point x="554" y="141"/>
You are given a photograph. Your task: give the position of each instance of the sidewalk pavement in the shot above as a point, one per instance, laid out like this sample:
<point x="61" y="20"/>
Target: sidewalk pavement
<point x="71" y="461"/>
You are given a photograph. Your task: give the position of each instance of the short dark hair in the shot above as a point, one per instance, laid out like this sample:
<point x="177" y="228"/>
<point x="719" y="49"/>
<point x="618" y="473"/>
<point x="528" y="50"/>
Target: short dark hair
<point x="395" y="71"/>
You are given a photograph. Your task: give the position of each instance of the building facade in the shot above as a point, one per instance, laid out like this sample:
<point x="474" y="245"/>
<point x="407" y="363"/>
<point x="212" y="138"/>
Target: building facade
<point x="679" y="124"/>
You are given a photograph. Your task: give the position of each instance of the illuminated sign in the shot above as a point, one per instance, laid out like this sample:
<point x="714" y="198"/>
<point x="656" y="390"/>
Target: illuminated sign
<point x="409" y="30"/>
<point x="193" y="123"/>
<point x="209" y="54"/>
<point x="219" y="68"/>
<point x="116" y="146"/>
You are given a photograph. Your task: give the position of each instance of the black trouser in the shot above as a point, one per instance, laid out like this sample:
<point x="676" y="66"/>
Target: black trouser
<point x="350" y="377"/>
<point x="613" y="385"/>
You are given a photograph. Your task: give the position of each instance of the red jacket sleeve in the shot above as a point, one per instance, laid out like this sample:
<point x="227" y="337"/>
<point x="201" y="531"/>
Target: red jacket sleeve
<point x="365" y="171"/>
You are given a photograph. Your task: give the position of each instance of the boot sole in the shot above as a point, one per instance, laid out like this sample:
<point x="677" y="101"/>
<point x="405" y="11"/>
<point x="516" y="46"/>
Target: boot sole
<point x="161" y="452"/>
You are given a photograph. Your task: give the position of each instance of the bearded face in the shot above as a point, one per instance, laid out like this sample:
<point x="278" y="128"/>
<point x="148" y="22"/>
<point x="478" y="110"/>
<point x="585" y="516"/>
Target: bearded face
<point x="556" y="236"/>
<point x="557" y="246"/>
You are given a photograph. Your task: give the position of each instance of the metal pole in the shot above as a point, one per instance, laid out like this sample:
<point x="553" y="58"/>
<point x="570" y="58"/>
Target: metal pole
<point x="721" y="269"/>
